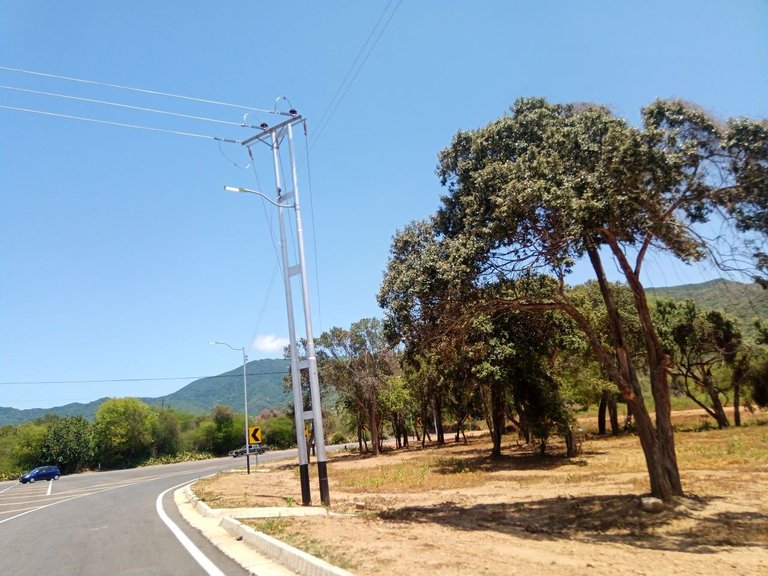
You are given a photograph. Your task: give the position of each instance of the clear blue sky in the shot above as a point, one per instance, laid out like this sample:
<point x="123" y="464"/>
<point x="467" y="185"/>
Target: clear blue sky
<point x="121" y="256"/>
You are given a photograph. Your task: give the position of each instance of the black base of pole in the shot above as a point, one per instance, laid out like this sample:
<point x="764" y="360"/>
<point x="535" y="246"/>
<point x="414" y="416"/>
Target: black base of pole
<point x="306" y="498"/>
<point x="322" y="474"/>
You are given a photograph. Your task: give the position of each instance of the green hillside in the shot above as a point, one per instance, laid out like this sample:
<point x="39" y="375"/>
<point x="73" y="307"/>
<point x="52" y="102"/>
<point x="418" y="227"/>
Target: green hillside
<point x="743" y="301"/>
<point x="265" y="390"/>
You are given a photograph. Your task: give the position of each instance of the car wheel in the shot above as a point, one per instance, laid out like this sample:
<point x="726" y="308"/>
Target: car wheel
<point x="31" y="480"/>
<point x="56" y="477"/>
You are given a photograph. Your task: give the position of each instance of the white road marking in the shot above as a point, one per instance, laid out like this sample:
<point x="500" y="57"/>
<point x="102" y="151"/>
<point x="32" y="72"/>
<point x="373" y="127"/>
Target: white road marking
<point x="50" y="487"/>
<point x="210" y="568"/>
<point x="9" y="487"/>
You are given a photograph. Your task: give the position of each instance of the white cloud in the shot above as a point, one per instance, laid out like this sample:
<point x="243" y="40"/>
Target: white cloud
<point x="270" y="344"/>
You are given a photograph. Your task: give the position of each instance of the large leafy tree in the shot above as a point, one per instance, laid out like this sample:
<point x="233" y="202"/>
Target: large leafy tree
<point x="123" y="432"/>
<point x="69" y="443"/>
<point x="549" y="184"/>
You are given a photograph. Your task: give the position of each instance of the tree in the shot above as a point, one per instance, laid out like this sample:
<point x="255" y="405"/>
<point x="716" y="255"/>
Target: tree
<point x="68" y="442"/>
<point x="123" y="432"/>
<point x="420" y="304"/>
<point x="167" y="432"/>
<point x="358" y="362"/>
<point x="698" y="343"/>
<point x="551" y="184"/>
<point x="28" y="450"/>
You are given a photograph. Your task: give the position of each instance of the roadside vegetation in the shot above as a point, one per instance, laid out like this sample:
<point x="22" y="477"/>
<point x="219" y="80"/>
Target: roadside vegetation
<point x="127" y="433"/>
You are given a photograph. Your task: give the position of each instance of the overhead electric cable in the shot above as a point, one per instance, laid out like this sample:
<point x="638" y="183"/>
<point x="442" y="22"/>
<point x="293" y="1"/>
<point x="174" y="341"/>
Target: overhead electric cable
<point x="120" y="124"/>
<point x="354" y="69"/>
<point x="142" y="90"/>
<point x="314" y="235"/>
<point x="238" y="374"/>
<point x="118" y="105"/>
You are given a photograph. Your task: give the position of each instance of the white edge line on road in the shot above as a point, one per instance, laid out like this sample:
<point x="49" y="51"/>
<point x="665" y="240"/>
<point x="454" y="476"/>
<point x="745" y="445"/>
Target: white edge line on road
<point x="193" y="550"/>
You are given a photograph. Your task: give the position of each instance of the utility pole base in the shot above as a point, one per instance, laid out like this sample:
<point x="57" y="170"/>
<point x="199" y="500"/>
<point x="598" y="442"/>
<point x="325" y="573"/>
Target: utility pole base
<point x="306" y="498"/>
<point x="322" y="473"/>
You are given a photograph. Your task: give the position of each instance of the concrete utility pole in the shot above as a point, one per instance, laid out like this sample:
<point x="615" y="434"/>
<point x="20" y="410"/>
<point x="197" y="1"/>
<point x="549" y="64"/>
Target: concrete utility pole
<point x="273" y="137"/>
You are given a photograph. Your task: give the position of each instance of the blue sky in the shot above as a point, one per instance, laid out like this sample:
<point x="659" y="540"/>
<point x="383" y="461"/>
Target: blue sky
<point x="122" y="256"/>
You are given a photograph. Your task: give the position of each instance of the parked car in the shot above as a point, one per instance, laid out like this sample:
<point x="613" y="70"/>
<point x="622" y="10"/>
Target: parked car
<point x="252" y="449"/>
<point x="41" y="473"/>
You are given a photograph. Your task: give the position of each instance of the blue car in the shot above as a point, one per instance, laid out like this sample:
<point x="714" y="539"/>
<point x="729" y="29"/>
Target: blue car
<point x="41" y="473"/>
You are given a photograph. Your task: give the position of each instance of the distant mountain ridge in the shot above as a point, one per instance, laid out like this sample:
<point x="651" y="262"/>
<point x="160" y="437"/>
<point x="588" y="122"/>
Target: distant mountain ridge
<point x="742" y="301"/>
<point x="265" y="390"/>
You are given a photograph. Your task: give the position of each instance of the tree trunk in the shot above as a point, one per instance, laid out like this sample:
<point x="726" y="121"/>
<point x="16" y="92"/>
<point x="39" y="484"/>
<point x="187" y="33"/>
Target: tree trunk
<point x="601" y="413"/>
<point x="737" y="404"/>
<point x="438" y="416"/>
<point x="717" y="407"/>
<point x="613" y="413"/>
<point x="374" y="428"/>
<point x="570" y="444"/>
<point x="497" y="416"/>
<point x="658" y="442"/>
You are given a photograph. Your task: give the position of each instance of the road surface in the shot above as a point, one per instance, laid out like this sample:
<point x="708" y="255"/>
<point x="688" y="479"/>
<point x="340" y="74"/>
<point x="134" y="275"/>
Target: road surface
<point x="119" y="522"/>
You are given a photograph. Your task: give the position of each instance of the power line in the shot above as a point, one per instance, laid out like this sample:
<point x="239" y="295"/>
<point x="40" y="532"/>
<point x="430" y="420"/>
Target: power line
<point x="119" y="124"/>
<point x="142" y="90"/>
<point x="128" y="106"/>
<point x="118" y="380"/>
<point x="354" y="69"/>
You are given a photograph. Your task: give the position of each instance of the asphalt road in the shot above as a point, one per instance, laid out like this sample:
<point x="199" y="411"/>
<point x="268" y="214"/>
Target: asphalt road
<point x="108" y="523"/>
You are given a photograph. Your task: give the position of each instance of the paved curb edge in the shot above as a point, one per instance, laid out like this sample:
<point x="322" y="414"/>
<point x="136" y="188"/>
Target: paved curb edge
<point x="290" y="557"/>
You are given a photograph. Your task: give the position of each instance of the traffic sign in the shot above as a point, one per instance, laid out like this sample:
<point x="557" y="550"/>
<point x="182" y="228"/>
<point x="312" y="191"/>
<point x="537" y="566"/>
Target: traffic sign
<point x="254" y="433"/>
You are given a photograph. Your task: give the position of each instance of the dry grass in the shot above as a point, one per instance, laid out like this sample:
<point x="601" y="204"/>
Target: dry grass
<point x="424" y="502"/>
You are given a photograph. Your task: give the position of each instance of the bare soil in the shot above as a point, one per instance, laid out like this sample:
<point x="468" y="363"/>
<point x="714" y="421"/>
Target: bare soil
<point x="452" y="510"/>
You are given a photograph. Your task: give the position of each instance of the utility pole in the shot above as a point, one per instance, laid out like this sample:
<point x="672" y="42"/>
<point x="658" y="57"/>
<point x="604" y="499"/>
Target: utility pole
<point x="274" y="137"/>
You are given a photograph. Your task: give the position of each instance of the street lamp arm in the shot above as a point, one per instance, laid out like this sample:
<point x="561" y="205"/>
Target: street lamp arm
<point x="227" y="345"/>
<point x="267" y="198"/>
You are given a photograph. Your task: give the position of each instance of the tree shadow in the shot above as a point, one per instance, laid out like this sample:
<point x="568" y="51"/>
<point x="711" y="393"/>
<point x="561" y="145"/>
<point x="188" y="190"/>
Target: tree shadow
<point x="687" y="526"/>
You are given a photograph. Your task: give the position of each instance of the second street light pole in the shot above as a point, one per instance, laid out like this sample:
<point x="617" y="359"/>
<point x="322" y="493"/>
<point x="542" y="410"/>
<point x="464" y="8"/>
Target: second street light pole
<point x="245" y="398"/>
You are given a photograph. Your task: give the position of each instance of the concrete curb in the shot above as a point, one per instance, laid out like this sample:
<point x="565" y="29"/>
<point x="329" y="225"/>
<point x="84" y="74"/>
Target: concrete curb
<point x="286" y="555"/>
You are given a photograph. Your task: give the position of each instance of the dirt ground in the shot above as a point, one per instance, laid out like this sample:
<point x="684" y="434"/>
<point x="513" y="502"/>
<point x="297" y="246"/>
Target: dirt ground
<point x="451" y="510"/>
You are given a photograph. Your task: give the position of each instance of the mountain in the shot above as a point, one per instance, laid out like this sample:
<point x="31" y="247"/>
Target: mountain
<point x="743" y="301"/>
<point x="265" y="390"/>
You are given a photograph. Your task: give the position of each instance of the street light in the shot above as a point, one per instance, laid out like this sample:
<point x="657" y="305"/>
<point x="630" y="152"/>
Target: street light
<point x="272" y="138"/>
<point x="245" y="397"/>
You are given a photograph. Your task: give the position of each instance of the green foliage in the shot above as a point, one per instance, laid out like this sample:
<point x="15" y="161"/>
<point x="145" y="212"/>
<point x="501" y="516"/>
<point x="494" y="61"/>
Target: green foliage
<point x="123" y="432"/>
<point x="69" y="444"/>
<point x="279" y="432"/>
<point x="167" y="432"/>
<point x="358" y="363"/>
<point x="29" y="441"/>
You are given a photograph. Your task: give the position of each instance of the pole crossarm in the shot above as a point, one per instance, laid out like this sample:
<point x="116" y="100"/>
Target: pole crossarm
<point x="268" y="131"/>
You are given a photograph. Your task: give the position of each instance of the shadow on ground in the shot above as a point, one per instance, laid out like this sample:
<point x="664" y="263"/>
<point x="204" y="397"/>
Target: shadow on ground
<point x="688" y="526"/>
